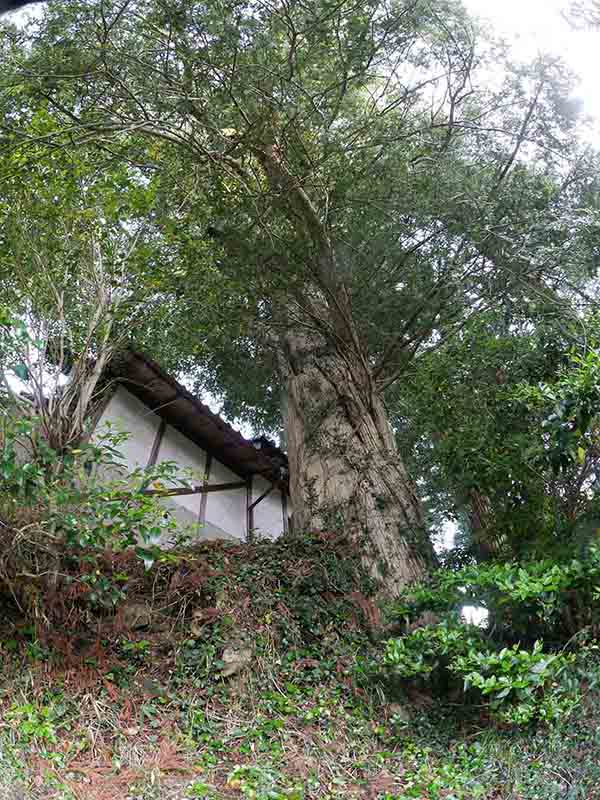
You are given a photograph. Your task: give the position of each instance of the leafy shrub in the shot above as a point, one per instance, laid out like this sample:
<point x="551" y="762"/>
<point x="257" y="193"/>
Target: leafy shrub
<point x="521" y="685"/>
<point x="428" y="649"/>
<point x="535" y="607"/>
<point x="518" y="685"/>
<point x="70" y="507"/>
<point x="526" y="601"/>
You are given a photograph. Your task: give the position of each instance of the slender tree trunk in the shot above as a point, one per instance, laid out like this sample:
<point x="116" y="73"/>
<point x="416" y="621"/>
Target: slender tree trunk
<point x="345" y="471"/>
<point x="481" y="525"/>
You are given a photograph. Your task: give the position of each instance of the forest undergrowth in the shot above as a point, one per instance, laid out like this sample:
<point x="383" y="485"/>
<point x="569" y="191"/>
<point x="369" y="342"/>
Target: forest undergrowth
<point x="259" y="671"/>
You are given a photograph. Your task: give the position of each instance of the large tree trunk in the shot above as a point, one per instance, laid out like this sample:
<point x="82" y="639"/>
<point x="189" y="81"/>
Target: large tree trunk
<point x="345" y="471"/>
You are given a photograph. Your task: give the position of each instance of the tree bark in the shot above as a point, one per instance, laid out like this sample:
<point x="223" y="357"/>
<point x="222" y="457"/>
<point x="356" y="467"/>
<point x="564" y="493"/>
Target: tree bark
<point x="482" y="526"/>
<point x="345" y="471"/>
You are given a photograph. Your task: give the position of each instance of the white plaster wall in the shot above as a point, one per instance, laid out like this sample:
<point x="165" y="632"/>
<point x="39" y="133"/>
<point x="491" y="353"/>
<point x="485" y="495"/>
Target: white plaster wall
<point x="225" y="511"/>
<point x="188" y="456"/>
<point x="268" y="514"/>
<point x="211" y="530"/>
<point x="127" y="413"/>
<point x="187" y="519"/>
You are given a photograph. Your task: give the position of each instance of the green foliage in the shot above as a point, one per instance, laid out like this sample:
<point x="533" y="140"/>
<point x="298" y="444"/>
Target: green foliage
<point x="33" y="722"/>
<point x="306" y="721"/>
<point x="262" y="783"/>
<point x="255" y="177"/>
<point x="528" y="603"/>
<point x="458" y="778"/>
<point x="518" y="685"/>
<point x="411" y="205"/>
<point x="568" y="407"/>
<point x="199" y="789"/>
<point x="14" y="336"/>
<point x="429" y="648"/>
<point x="486" y="421"/>
<point x="321" y="198"/>
<point x="79" y="502"/>
<point x="137" y="651"/>
<point x="312" y="576"/>
<point x="546" y="599"/>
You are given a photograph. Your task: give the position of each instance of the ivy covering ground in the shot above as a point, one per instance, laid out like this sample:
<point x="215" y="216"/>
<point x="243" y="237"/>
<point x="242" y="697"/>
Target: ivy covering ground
<point x="142" y="701"/>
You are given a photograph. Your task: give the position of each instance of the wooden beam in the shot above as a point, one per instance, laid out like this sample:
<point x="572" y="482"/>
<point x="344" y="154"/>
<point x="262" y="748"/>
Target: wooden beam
<point x="249" y="511"/>
<point x="262" y="497"/>
<point x="157" y="443"/>
<point x="286" y="526"/>
<point x="215" y="487"/>
<point x="204" y="498"/>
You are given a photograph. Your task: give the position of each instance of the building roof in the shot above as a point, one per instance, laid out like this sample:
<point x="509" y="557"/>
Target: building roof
<point x="178" y="407"/>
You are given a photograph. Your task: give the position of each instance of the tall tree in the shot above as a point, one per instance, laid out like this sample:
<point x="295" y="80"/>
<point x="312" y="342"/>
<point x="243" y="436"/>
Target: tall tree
<point x="492" y="432"/>
<point x="366" y="182"/>
<point x="72" y="236"/>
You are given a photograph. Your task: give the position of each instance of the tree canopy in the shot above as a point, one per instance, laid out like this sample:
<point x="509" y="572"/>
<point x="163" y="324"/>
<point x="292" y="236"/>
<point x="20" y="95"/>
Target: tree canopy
<point x="328" y="192"/>
<point x="384" y="158"/>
